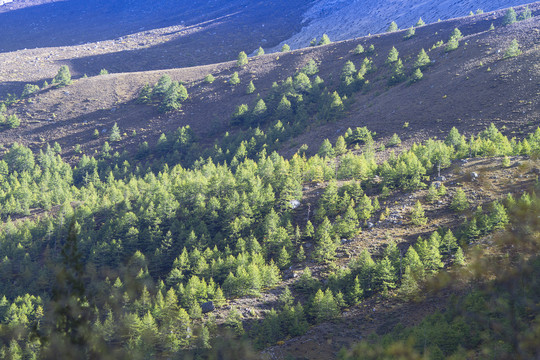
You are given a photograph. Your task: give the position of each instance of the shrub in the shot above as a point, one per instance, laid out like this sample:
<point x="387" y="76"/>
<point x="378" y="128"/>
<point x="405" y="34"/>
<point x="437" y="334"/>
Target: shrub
<point x="103" y="72"/>
<point x="12" y="121"/>
<point x="209" y="78"/>
<point x="63" y="77"/>
<point x="512" y="50"/>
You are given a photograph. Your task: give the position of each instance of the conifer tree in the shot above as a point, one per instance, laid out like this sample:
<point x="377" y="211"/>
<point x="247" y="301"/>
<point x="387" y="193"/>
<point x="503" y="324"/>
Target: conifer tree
<point x="456" y="34"/>
<point x="510" y="17"/>
<point x="359" y="49"/>
<point x="284" y="259"/>
<point x="301" y="255"/>
<point x="393" y="55"/>
<point x="392" y="27"/>
<point x="413" y="261"/>
<point x="162" y="85"/>
<point x="145" y="95"/>
<point x="513" y="50"/>
<point x="325" y="247"/>
<point x="234" y="79"/>
<point x="209" y="78"/>
<point x="326" y="149"/>
<point x="420" y="22"/>
<point x="260" y="109"/>
<point x="259" y="52"/>
<point x="449" y="243"/>
<point x="63" y="77"/>
<point x="364" y="208"/>
<point x="285" y="48"/>
<point x="452" y="44"/>
<point x="459" y="258"/>
<point x="385" y="275"/>
<point x="409" y="33"/>
<point x="422" y="60"/>
<point x="250" y="88"/>
<point x="115" y="133"/>
<point x="324" y="40"/>
<point x="409" y="285"/>
<point x="309" y="231"/>
<point x="418" y="216"/>
<point x="498" y="217"/>
<point x="242" y="59"/>
<point x="526" y="14"/>
<point x="432" y="260"/>
<point x="341" y="146"/>
<point x="459" y="201"/>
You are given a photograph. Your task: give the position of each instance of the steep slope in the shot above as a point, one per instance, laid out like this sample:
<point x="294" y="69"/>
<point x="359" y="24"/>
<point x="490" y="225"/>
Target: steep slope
<point x="343" y="19"/>
<point x="439" y="101"/>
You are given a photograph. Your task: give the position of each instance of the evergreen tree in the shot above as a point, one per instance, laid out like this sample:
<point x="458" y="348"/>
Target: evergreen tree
<point x="409" y="285"/>
<point x="510" y="17"/>
<point x="145" y="95"/>
<point x="234" y="79"/>
<point x="325" y="247"/>
<point x="418" y="216"/>
<point x="310" y="68"/>
<point x="409" y="33"/>
<point x="285" y="48"/>
<point x="393" y="55"/>
<point x="242" y="59"/>
<point x="284" y="259"/>
<point x="459" y="201"/>
<point x="341" y="146"/>
<point x="422" y="60"/>
<point x="324" y="40"/>
<point x="449" y="243"/>
<point x="392" y="27"/>
<point x="398" y="73"/>
<point x="385" y="278"/>
<point x="359" y="49"/>
<point x="209" y="78"/>
<point x="432" y="261"/>
<point x="115" y="133"/>
<point x="259" y="52"/>
<point x="456" y="34"/>
<point x="452" y="44"/>
<point x="162" y="85"/>
<point x="260" y="109"/>
<point x="526" y="14"/>
<point x="412" y="260"/>
<point x="301" y="255"/>
<point x="326" y="149"/>
<point x="364" y="208"/>
<point x="63" y="77"/>
<point x="459" y="258"/>
<point x="513" y="50"/>
<point x="420" y="22"/>
<point x="250" y="88"/>
<point x="394" y="141"/>
<point x="498" y="217"/>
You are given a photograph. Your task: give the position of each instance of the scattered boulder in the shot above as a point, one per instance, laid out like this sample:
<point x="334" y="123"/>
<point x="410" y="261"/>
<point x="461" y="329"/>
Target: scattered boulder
<point x="207" y="307"/>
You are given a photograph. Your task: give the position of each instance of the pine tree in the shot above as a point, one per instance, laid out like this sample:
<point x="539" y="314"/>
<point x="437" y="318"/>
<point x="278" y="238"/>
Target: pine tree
<point x="259" y="52"/>
<point x="432" y="194"/>
<point x="449" y="243"/>
<point x="422" y="60"/>
<point x="309" y="231"/>
<point x="414" y="262"/>
<point x="432" y="260"/>
<point x="284" y="259"/>
<point x="459" y="258"/>
<point x="510" y="17"/>
<point x="385" y="277"/>
<point x="284" y="108"/>
<point x="409" y="33"/>
<point x="513" y="50"/>
<point x="341" y="146"/>
<point x="392" y="27"/>
<point x="526" y="14"/>
<point x="209" y="78"/>
<point x="242" y="59"/>
<point x="326" y="149"/>
<point x="63" y="77"/>
<point x="456" y="34"/>
<point x="359" y="49"/>
<point x="364" y="208"/>
<point x="285" y="48"/>
<point x="325" y="247"/>
<point x="409" y="285"/>
<point x="459" y="201"/>
<point x="250" y="88"/>
<point x="145" y="95"/>
<point x="310" y="68"/>
<point x="115" y="133"/>
<point x="301" y="255"/>
<point x="498" y="217"/>
<point x="452" y="44"/>
<point x="162" y="85"/>
<point x="420" y="22"/>
<point x="324" y="40"/>
<point x="393" y="55"/>
<point x="394" y="141"/>
<point x="260" y="109"/>
<point x="234" y="79"/>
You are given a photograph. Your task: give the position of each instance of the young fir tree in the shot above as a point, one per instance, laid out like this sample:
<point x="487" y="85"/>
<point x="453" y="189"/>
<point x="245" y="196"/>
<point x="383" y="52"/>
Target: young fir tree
<point x="234" y="79"/>
<point x="498" y="217"/>
<point x="510" y="17"/>
<point x="341" y="146"/>
<point x="420" y="22"/>
<point x="459" y="258"/>
<point x="250" y="88"/>
<point x="324" y="40"/>
<point x="432" y="261"/>
<point x="393" y="55"/>
<point x="326" y="149"/>
<point x="513" y="50"/>
<point x="310" y="68"/>
<point x="242" y="59"/>
<point x="409" y="33"/>
<point x="526" y="14"/>
<point x="260" y="109"/>
<point x="385" y="277"/>
<point x="284" y="259"/>
<point x="449" y="243"/>
<point x="409" y="285"/>
<point x="115" y="133"/>
<point x="285" y="48"/>
<point x="414" y="262"/>
<point x="209" y="78"/>
<point x="301" y="254"/>
<point x="364" y="208"/>
<point x="63" y="77"/>
<point x="416" y="76"/>
<point x="422" y="60"/>
<point x="325" y="247"/>
<point x="145" y="95"/>
<point x="392" y="27"/>
<point x="418" y="216"/>
<point x="459" y="201"/>
<point x="456" y="34"/>
<point x="359" y="49"/>
<point x="162" y="85"/>
<point x="394" y="141"/>
<point x="452" y="44"/>
<point x="260" y="51"/>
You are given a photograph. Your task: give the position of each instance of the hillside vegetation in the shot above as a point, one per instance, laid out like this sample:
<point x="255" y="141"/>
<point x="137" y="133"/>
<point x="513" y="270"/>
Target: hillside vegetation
<point x="370" y="198"/>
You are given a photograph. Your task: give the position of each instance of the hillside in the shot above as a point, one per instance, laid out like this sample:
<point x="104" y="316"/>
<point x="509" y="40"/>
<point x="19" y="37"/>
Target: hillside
<point x="164" y="196"/>
<point x="435" y="104"/>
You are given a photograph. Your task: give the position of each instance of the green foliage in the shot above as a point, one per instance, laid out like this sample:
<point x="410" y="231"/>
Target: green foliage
<point x="459" y="201"/>
<point x="310" y="68"/>
<point x="418" y="216"/>
<point x="285" y="48"/>
<point x="103" y="72"/>
<point x="29" y="89"/>
<point x="324" y="40"/>
<point x="394" y="141"/>
<point x="209" y="78"/>
<point x="456" y="34"/>
<point x="513" y="50"/>
<point x="240" y="115"/>
<point x="510" y="17"/>
<point x="63" y="77"/>
<point x="145" y="94"/>
<point x="359" y="49"/>
<point x="259" y="52"/>
<point x="115" y="133"/>
<point x="416" y="76"/>
<point x="11" y="121"/>
<point x="452" y="44"/>
<point x="242" y="59"/>
<point x="392" y="27"/>
<point x="393" y="56"/>
<point x="409" y="33"/>
<point x="234" y="79"/>
<point x="526" y="14"/>
<point x="250" y="88"/>
<point x="162" y="86"/>
<point x="326" y="149"/>
<point x="422" y="60"/>
<point x="420" y="22"/>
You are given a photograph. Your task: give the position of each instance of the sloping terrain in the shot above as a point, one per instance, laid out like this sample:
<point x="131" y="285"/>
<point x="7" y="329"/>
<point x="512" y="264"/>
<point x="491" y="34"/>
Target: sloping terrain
<point x="344" y="19"/>
<point x="442" y="99"/>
